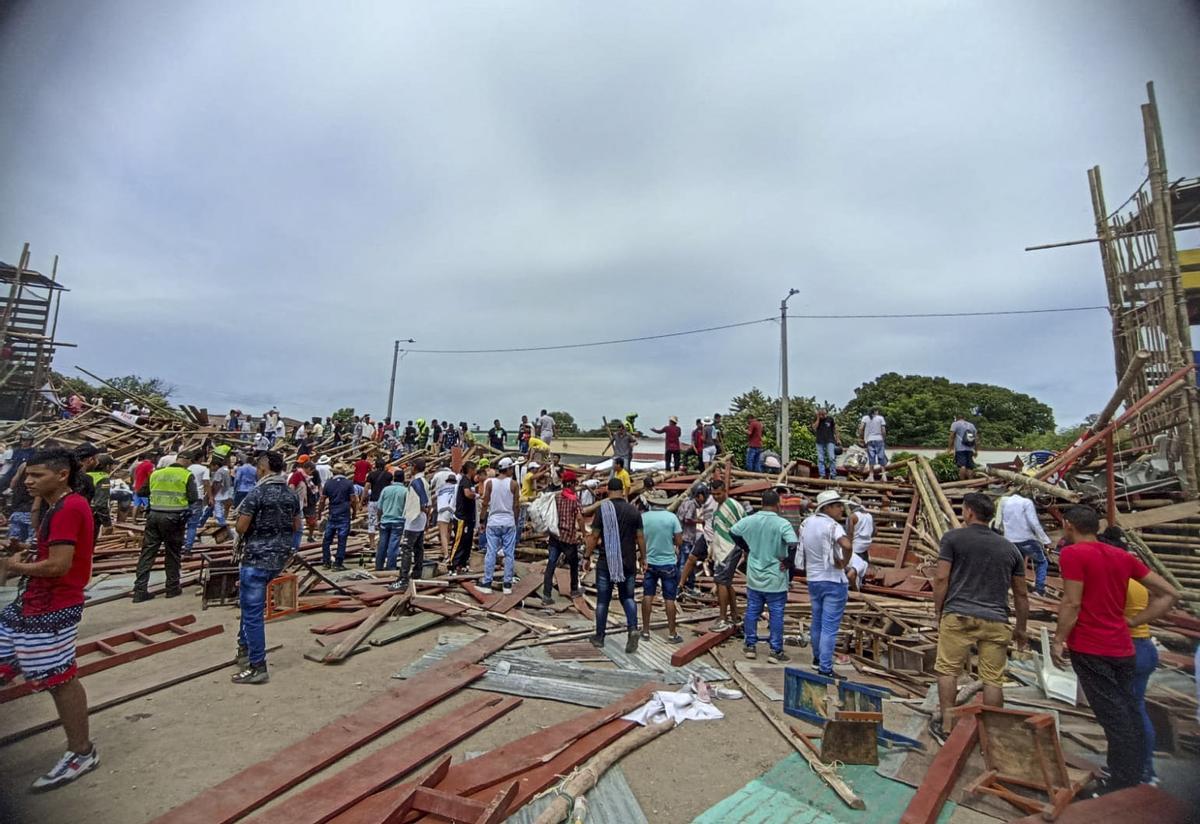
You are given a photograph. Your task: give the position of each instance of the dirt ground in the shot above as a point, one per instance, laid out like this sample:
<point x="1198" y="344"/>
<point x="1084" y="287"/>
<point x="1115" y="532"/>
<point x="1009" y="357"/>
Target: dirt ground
<point x="162" y="749"/>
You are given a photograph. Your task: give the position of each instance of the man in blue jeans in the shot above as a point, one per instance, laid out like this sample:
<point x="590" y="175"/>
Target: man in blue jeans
<point x="391" y="521"/>
<point x="826" y="554"/>
<point x="766" y="538"/>
<point x="825" y="430"/>
<point x="617" y="529"/>
<point x="1022" y="527"/>
<point x="338" y="495"/>
<point x="664" y="536"/>
<point x="498" y="513"/>
<point x="267" y="519"/>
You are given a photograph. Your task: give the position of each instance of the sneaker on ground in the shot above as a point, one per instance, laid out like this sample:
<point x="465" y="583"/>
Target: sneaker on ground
<point x="69" y="767"/>
<point x="675" y="639"/>
<point x="508" y="589"/>
<point x="397" y="586"/>
<point x="577" y="593"/>
<point x="174" y="593"/>
<point x="645" y="635"/>
<point x="828" y="673"/>
<point x="779" y="657"/>
<point x="750" y="652"/>
<point x="936" y="731"/>
<point x="596" y="641"/>
<point x="339" y="567"/>
<point x="547" y="601"/>
<point x="252" y="675"/>
<point x="631" y="645"/>
<point x="138" y="597"/>
<point x="720" y="626"/>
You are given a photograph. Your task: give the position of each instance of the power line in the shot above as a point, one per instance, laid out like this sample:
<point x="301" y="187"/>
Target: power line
<point x="951" y="314"/>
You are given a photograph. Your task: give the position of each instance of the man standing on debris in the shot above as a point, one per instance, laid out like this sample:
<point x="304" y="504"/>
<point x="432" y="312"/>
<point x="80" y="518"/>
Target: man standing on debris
<point x="718" y="544"/>
<point x="204" y="489"/>
<point x="976" y="569"/>
<point x="622" y="445"/>
<point x="617" y="527"/>
<point x="418" y="506"/>
<point x="695" y="513"/>
<point x="565" y="544"/>
<point x="244" y="479"/>
<point x="221" y="484"/>
<point x="824" y="427"/>
<point x="524" y="433"/>
<point x="338" y="495"/>
<point x="39" y="629"/>
<point x="171" y="491"/>
<point x="664" y="536"/>
<point x="964" y="444"/>
<point x="498" y="514"/>
<point x="267" y="520"/>
<point x="141" y="474"/>
<point x="377" y="480"/>
<point x="709" y="450"/>
<point x="767" y="539"/>
<point x="620" y="471"/>
<point x="754" y="434"/>
<point x="671" y="447"/>
<point x="1093" y="626"/>
<point x="546" y="427"/>
<point x="1022" y="527"/>
<point x="391" y="522"/>
<point x="872" y="431"/>
<point x="825" y="553"/>
<point x="698" y="442"/>
<point x="497" y="435"/>
<point x="862" y="533"/>
<point x="464" y="520"/>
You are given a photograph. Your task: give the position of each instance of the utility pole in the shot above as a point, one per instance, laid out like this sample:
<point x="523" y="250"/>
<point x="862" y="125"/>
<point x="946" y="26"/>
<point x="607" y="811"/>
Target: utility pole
<point x="785" y="425"/>
<point x="392" y="387"/>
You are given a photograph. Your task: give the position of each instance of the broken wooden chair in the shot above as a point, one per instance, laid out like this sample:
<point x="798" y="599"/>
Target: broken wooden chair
<point x="1022" y="749"/>
<point x="424" y="797"/>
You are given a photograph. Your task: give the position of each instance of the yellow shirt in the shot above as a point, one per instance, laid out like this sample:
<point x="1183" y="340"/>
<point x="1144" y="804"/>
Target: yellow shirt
<point x="626" y="481"/>
<point x="1136" y="599"/>
<point x="538" y="443"/>
<point x="528" y="493"/>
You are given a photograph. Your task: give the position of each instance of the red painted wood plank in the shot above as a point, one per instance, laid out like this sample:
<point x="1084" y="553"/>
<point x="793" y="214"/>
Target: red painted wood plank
<point x="486" y="644"/>
<point x="438" y="607"/>
<point x="121" y="657"/>
<point x="1142" y="804"/>
<point x="699" y="646"/>
<point x="523" y="589"/>
<point x="342" y="624"/>
<point x="254" y="786"/>
<point x="339" y="792"/>
<point x="943" y="772"/>
<point x="487" y="599"/>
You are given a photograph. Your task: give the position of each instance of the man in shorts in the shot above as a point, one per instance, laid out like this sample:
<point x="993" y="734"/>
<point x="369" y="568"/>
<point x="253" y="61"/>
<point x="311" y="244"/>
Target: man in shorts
<point x="664" y="535"/>
<point x="38" y="630"/>
<point x="976" y="569"/>
<point x="964" y="443"/>
<point x="725" y="554"/>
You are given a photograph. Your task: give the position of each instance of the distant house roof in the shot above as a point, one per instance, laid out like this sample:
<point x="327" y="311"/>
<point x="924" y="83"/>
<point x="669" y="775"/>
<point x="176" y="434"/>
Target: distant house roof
<point x="8" y="274"/>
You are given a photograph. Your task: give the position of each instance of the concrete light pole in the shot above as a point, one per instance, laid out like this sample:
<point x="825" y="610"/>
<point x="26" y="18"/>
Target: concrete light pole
<point x="392" y="388"/>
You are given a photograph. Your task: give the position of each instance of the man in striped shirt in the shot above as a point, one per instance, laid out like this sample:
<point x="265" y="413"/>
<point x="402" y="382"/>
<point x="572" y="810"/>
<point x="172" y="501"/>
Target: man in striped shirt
<point x="726" y="555"/>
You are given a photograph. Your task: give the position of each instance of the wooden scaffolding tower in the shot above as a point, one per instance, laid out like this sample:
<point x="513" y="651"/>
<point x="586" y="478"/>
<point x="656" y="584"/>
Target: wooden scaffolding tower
<point x="28" y="324"/>
<point x="1146" y="298"/>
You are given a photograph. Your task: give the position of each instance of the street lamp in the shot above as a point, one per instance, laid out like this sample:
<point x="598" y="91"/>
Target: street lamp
<point x="392" y="388"/>
<point x="785" y="425"/>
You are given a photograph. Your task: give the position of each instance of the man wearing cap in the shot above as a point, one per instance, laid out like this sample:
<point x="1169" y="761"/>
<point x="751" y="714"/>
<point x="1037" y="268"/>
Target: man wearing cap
<point x="767" y="538"/>
<point x="464" y="519"/>
<point x="499" y="515"/>
<point x="565" y="543"/>
<point x="617" y="528"/>
<point x="324" y="469"/>
<point x="670" y="433"/>
<point x="709" y="449"/>
<point x="695" y="513"/>
<point x="172" y="491"/>
<point x="664" y="536"/>
<point x="825" y="553"/>
<point x="338" y="495"/>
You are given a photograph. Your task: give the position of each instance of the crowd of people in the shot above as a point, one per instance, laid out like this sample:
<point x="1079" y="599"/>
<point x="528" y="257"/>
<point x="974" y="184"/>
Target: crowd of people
<point x="60" y="501"/>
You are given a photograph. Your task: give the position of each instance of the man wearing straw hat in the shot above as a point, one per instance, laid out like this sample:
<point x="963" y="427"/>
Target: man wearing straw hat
<point x="671" y="448"/>
<point x="825" y="554"/>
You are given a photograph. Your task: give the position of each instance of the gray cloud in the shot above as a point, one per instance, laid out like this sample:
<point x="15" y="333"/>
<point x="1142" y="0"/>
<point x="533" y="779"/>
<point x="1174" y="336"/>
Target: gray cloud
<point x="253" y="200"/>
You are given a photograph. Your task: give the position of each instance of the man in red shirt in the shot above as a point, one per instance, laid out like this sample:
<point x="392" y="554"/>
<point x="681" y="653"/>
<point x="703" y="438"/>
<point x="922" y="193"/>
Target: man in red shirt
<point x="38" y="630"/>
<point x="671" y="449"/>
<point x="1092" y="624"/>
<point x="362" y="468"/>
<point x="754" y="444"/>
<point x="141" y="473"/>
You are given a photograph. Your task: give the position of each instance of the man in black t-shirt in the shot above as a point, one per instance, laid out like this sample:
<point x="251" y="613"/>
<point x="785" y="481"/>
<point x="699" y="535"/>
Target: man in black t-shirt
<point x="377" y="479"/>
<point x="617" y="528"/>
<point x="464" y="515"/>
<point x="497" y="435"/>
<point x="828" y="440"/>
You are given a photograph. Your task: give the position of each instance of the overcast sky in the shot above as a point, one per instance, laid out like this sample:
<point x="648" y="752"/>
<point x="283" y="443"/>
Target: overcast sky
<point x="253" y="199"/>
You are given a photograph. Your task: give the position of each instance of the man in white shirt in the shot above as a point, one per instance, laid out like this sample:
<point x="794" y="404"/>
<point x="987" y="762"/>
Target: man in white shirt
<point x="324" y="469"/>
<point x="872" y="431"/>
<point x="862" y="532"/>
<point x="203" y="486"/>
<point x="1021" y="526"/>
<point x="825" y="552"/>
<point x="545" y="426"/>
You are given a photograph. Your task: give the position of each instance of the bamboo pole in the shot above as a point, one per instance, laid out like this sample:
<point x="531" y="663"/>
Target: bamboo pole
<point x="1030" y="483"/>
<point x="938" y="493"/>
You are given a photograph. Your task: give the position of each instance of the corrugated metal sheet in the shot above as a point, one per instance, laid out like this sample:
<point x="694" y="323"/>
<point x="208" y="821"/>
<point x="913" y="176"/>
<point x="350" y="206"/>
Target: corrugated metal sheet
<point x="611" y="801"/>
<point x="654" y="655"/>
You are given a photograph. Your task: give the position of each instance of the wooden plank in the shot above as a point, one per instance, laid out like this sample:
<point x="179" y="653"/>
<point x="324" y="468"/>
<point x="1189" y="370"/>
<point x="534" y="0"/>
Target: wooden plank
<point x="351" y="642"/>
<point x="1142" y="804"/>
<point x="485" y="645"/>
<point x="438" y="607"/>
<point x="699" y="646"/>
<point x="409" y="625"/>
<point x="339" y="792"/>
<point x="259" y="783"/>
<point x="939" y="780"/>
<point x="1159" y="515"/>
<point x="529" y="584"/>
<point x="342" y="624"/>
<point x="123" y="657"/>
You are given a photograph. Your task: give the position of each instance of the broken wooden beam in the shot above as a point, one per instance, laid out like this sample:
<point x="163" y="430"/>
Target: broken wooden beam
<point x="697" y="647"/>
<point x="356" y="637"/>
<point x="1031" y="484"/>
<point x="939" y="779"/>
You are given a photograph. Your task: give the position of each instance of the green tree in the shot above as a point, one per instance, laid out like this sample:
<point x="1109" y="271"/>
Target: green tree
<point x="801" y="411"/>
<point x="345" y="414"/>
<point x="154" y="390"/>
<point x="919" y="410"/>
<point x="564" y="424"/>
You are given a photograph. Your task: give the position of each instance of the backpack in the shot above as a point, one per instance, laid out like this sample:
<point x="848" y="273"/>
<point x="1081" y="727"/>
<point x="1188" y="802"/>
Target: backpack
<point x="968" y="438"/>
<point x="543" y="513"/>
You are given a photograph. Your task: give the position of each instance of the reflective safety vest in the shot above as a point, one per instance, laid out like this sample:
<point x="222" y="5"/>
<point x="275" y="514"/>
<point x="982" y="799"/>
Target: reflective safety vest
<point x="97" y="477"/>
<point x="168" y="489"/>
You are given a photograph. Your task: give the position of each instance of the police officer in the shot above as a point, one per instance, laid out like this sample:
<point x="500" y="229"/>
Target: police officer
<point x="171" y="490"/>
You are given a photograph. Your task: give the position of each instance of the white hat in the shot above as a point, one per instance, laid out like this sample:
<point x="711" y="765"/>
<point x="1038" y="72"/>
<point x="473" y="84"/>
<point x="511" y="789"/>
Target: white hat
<point x="828" y="497"/>
<point x="323" y="460"/>
<point x="591" y="483"/>
<point x="505" y="463"/>
<point x="706" y="421"/>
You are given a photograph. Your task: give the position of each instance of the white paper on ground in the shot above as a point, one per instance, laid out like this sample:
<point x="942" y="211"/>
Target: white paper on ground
<point x="676" y="706"/>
